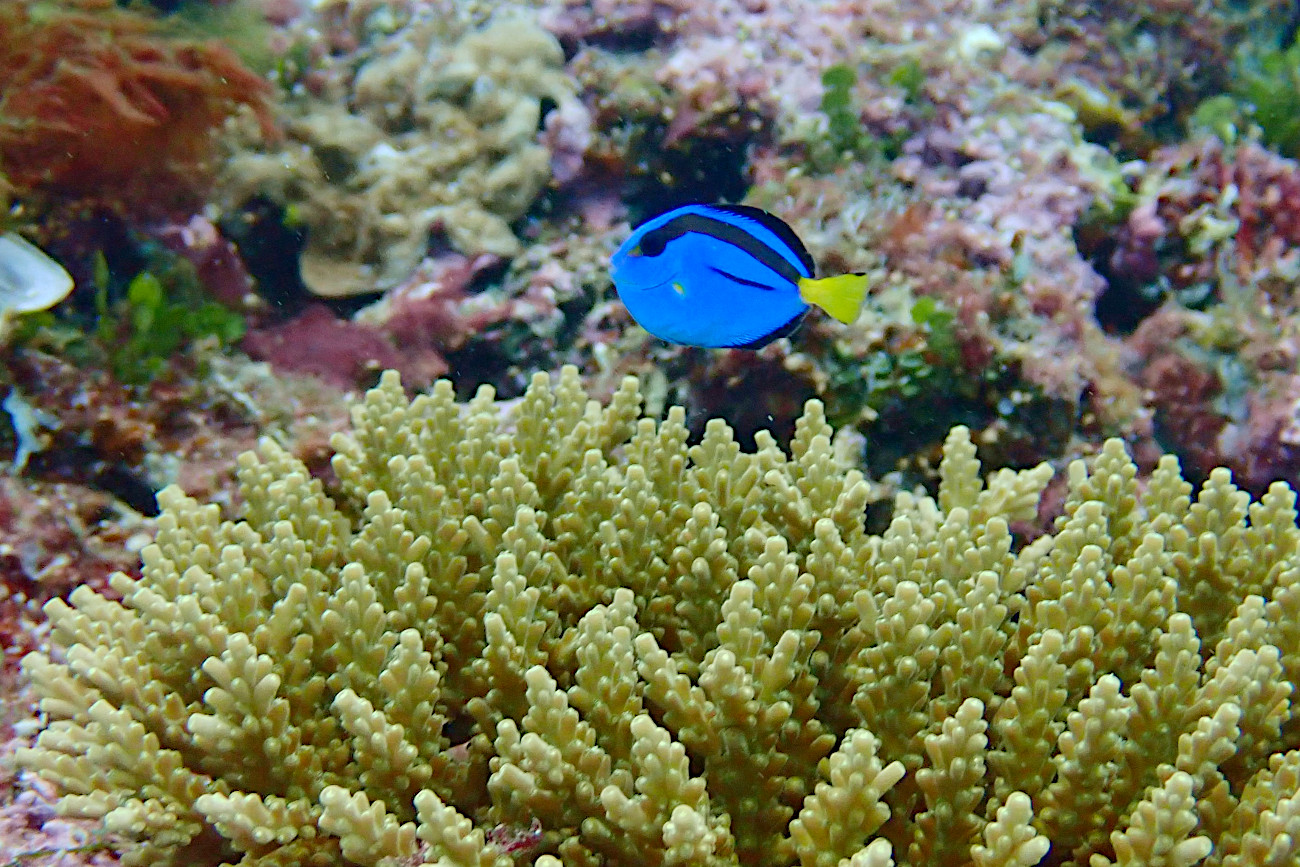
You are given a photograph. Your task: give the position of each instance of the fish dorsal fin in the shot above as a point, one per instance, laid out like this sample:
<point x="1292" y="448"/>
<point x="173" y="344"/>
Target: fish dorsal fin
<point x="776" y="226"/>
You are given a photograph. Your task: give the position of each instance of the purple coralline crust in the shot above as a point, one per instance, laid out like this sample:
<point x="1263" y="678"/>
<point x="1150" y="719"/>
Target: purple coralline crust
<point x="1005" y="194"/>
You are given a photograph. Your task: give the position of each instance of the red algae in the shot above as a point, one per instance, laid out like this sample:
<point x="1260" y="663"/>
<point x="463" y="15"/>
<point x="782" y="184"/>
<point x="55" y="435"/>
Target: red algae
<point x="1214" y="240"/>
<point x="346" y="354"/>
<point x="96" y="103"/>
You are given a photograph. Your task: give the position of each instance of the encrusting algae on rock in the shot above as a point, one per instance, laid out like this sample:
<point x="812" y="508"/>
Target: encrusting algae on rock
<point x="560" y="623"/>
<point x="439" y="135"/>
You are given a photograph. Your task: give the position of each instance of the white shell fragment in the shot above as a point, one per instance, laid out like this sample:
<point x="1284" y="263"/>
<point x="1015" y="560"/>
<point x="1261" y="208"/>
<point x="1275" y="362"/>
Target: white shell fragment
<point x="29" y="279"/>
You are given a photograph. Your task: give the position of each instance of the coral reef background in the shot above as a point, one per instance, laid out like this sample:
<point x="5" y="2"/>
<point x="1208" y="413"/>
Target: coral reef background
<point x="1080" y="221"/>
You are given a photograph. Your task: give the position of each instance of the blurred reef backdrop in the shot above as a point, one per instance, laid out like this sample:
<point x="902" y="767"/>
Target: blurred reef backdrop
<point x="1007" y="572"/>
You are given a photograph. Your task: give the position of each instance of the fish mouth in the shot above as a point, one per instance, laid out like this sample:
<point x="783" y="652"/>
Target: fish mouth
<point x="646" y="287"/>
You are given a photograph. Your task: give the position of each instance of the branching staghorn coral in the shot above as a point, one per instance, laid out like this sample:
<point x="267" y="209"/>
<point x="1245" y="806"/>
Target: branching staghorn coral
<point x="559" y="633"/>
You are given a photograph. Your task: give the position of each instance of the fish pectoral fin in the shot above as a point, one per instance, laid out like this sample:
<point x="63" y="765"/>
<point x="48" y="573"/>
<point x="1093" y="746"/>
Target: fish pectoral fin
<point x="841" y="296"/>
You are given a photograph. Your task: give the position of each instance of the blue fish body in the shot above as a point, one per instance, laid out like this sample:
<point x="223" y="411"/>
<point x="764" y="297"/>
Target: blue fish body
<point x="724" y="276"/>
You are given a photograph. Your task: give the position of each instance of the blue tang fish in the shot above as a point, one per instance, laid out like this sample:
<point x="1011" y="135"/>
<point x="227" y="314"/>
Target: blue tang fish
<point x="725" y="275"/>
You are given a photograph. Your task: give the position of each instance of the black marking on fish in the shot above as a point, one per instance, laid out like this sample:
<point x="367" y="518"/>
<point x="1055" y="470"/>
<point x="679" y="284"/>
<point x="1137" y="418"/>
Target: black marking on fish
<point x="778" y="227"/>
<point x="729" y="233"/>
<point x="777" y="333"/>
<point x="652" y="243"/>
<point x="742" y="280"/>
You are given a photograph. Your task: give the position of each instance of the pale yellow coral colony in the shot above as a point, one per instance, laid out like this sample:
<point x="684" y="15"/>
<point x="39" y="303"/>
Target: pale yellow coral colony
<point x="562" y="616"/>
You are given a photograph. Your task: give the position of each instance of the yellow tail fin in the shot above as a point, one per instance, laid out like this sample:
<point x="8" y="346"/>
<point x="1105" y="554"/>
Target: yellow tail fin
<point x="840" y="296"/>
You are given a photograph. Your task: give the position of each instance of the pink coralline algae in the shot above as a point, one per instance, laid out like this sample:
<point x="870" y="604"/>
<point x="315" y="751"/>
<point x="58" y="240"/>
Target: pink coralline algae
<point x="56" y="536"/>
<point x="1215" y="238"/>
<point x="1008" y="194"/>
<point x="414" y="328"/>
<point x="31" y="832"/>
<point x="721" y="76"/>
<point x="346" y="354"/>
<point x="1212" y="204"/>
<point x="567" y="134"/>
<point x="766" y="54"/>
<point x="432" y="312"/>
<point x="1214" y="410"/>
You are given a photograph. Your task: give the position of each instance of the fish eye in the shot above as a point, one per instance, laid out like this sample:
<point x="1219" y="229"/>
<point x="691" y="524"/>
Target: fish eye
<point x="653" y="243"/>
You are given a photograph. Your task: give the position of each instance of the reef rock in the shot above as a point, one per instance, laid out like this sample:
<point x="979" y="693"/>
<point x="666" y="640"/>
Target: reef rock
<point x="431" y="134"/>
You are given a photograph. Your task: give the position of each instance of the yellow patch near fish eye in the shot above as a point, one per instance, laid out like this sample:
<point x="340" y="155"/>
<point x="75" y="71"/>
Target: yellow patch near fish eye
<point x="635" y="251"/>
<point x="679" y="289"/>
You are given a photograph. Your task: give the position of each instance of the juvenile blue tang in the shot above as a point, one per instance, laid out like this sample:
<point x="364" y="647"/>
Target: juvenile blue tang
<point x="725" y="275"/>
